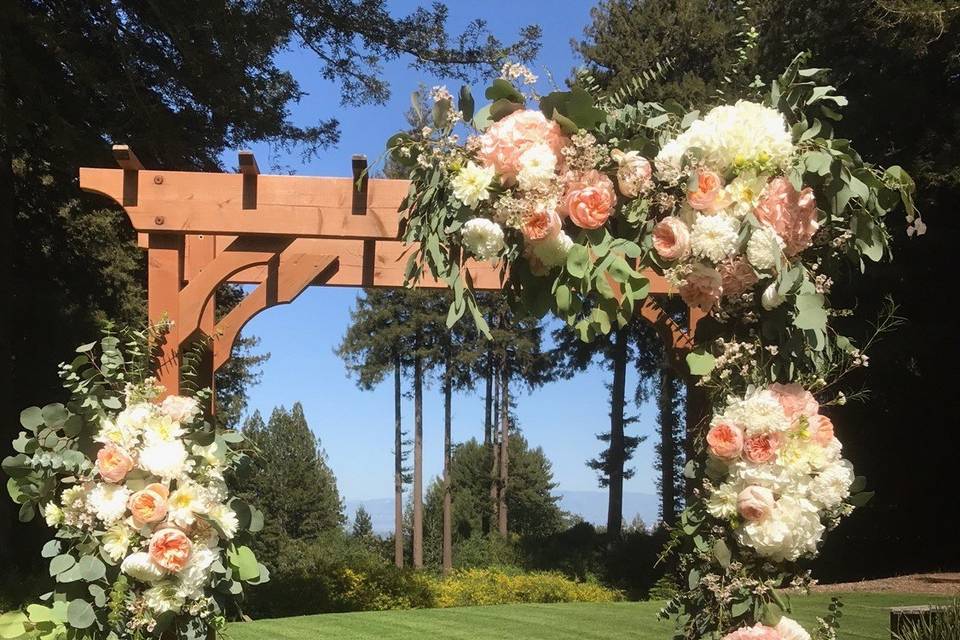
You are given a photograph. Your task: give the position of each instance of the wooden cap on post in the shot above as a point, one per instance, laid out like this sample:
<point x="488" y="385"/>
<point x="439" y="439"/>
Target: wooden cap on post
<point x="359" y="167"/>
<point x="248" y="167"/>
<point x="126" y="158"/>
<point x="247" y="162"/>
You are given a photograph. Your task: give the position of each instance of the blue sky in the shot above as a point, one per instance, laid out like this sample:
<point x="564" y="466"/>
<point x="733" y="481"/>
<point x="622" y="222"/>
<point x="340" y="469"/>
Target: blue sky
<point x="356" y="427"/>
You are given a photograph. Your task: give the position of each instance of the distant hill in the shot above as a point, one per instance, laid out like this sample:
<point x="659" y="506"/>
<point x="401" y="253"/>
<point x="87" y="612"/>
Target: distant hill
<point x="589" y="505"/>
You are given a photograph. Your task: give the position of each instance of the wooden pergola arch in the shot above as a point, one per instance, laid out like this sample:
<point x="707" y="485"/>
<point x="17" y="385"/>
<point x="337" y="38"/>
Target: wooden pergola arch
<point x="281" y="234"/>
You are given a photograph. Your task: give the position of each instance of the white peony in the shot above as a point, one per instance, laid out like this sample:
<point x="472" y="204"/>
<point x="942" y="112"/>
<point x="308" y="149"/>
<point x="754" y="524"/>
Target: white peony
<point x="116" y="541"/>
<point x="765" y="249"/>
<point x="163" y="597"/>
<point x="226" y="519"/>
<point x="538" y="165"/>
<point x="722" y="502"/>
<point x="552" y="252"/>
<point x="771" y="297"/>
<point x="161" y="428"/>
<point x="195" y="574"/>
<point x="121" y="433"/>
<point x="471" y="184"/>
<point x="791" y="630"/>
<point x="779" y="478"/>
<point x="181" y="409"/>
<point x="832" y="485"/>
<point x="714" y="237"/>
<point x="743" y="135"/>
<point x="108" y="502"/>
<point x="745" y="191"/>
<point x="188" y="500"/>
<point x="140" y="567"/>
<point x="136" y="415"/>
<point x="792" y="530"/>
<point x="52" y="514"/>
<point x="760" y="412"/>
<point x="483" y="238"/>
<point x="167" y="459"/>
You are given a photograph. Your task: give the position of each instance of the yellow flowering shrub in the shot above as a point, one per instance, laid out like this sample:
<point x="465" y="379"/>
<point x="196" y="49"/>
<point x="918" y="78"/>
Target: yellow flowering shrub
<point x="473" y="587"/>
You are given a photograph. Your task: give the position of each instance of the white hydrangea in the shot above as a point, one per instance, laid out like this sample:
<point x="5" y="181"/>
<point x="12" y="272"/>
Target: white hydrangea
<point x="471" y="184"/>
<point x="195" y="574"/>
<point x="765" y="248"/>
<point x="163" y="597"/>
<point x="778" y="478"/>
<point x="552" y="252"/>
<point x="53" y="514"/>
<point x="538" y="165"/>
<point x="140" y="567"/>
<point x="722" y="503"/>
<point x="759" y="412"/>
<point x="483" y="238"/>
<point x="117" y="540"/>
<point x="714" y="237"/>
<point x="108" y="502"/>
<point x="181" y="409"/>
<point x="167" y="459"/>
<point x="790" y="629"/>
<point x="792" y="530"/>
<point x="731" y="136"/>
<point x="832" y="485"/>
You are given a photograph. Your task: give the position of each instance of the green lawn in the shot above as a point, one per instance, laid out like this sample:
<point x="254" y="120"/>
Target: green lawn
<point x="865" y="616"/>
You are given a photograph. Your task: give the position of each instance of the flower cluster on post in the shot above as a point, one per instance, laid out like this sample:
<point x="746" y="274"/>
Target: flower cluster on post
<point x="147" y="535"/>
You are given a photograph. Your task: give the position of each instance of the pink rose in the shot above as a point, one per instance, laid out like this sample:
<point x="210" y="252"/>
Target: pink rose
<point x="725" y="441"/>
<point x="702" y="287"/>
<point x="755" y="503"/>
<point x="795" y="400"/>
<point x="589" y="199"/>
<point x="505" y="141"/>
<point x="540" y="225"/>
<point x="756" y="632"/>
<point x="709" y="195"/>
<point x="762" y="448"/>
<point x="821" y="430"/>
<point x="170" y="548"/>
<point x="671" y="238"/>
<point x="113" y="463"/>
<point x="791" y="213"/>
<point x="736" y="276"/>
<point x="149" y="505"/>
<point x="634" y="172"/>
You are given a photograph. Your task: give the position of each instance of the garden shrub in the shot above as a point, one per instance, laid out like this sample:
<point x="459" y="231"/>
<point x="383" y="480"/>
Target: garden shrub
<point x="487" y="551"/>
<point x="944" y="626"/>
<point x="473" y="587"/>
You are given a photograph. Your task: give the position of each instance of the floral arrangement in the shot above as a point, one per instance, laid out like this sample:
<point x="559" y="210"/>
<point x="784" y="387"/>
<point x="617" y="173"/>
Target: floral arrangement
<point x="135" y="486"/>
<point x="749" y="209"/>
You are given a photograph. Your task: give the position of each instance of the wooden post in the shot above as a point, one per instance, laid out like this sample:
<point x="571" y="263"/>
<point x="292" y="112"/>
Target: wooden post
<point x="903" y="619"/>
<point x="164" y="278"/>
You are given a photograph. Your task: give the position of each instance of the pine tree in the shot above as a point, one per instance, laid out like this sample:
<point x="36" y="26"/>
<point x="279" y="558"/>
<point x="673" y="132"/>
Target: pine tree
<point x="362" y="524"/>
<point x="291" y="482"/>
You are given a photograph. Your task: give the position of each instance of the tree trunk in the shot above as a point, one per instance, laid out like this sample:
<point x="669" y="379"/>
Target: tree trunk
<point x="8" y="210"/>
<point x="668" y="453"/>
<point x="487" y="427"/>
<point x="494" y="457"/>
<point x="417" y="462"/>
<point x="504" y="443"/>
<point x="615" y="455"/>
<point x="447" y="446"/>
<point x="397" y="467"/>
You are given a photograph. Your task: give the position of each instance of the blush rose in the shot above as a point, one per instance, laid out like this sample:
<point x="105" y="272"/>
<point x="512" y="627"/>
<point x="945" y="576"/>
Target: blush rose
<point x="589" y="199"/>
<point x="709" y="195"/>
<point x="113" y="463"/>
<point x="540" y="225"/>
<point x="761" y="448"/>
<point x="755" y="503"/>
<point x="149" y="505"/>
<point x="671" y="238"/>
<point x="791" y="213"/>
<point x="506" y="140"/>
<point x="170" y="549"/>
<point x="725" y="441"/>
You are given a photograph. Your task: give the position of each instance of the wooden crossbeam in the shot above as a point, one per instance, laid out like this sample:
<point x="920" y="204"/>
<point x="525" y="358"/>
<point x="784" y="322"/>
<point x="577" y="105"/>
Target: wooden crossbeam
<point x="214" y="203"/>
